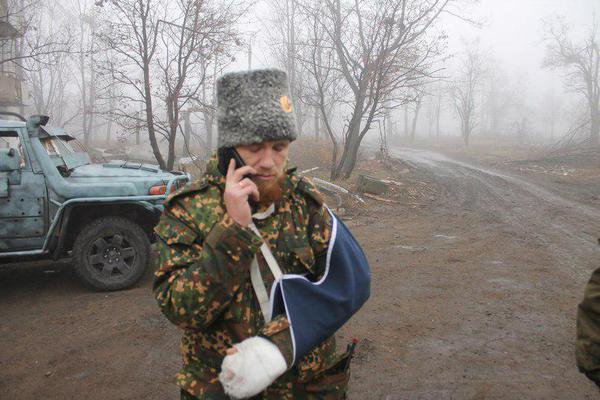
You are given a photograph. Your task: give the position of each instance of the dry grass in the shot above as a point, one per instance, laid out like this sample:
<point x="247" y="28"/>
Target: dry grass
<point x="310" y="152"/>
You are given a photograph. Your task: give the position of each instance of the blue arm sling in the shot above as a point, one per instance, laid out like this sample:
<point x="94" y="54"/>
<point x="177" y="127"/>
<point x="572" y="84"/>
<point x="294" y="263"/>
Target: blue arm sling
<point x="316" y="310"/>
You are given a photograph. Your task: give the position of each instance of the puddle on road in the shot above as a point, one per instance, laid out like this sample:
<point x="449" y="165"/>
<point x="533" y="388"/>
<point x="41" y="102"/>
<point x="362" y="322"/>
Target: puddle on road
<point x="510" y="284"/>
<point x="410" y="248"/>
<point x="445" y="237"/>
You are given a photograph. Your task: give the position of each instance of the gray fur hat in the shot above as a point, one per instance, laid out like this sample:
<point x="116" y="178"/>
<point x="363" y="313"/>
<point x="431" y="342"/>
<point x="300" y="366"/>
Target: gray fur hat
<point x="254" y="106"/>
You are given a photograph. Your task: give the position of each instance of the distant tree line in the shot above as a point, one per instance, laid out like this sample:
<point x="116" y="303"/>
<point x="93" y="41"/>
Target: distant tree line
<point x="146" y="69"/>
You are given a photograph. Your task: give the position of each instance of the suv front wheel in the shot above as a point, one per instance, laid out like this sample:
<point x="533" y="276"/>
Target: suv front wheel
<point x="111" y="253"/>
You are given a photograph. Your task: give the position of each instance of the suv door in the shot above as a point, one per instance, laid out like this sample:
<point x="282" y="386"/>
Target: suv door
<point x="23" y="206"/>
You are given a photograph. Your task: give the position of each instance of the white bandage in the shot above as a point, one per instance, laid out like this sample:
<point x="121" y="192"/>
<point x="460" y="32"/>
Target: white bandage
<point x="257" y="363"/>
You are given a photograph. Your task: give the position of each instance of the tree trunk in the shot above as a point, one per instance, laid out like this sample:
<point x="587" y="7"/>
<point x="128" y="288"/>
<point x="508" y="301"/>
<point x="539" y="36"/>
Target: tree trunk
<point x="595" y="126"/>
<point x="466" y="131"/>
<point x="494" y="124"/>
<point x="108" y="131"/>
<point x="173" y="108"/>
<point x="387" y="128"/>
<point x="437" y="120"/>
<point x="171" y="141"/>
<point x="150" y="121"/>
<point x="187" y="132"/>
<point x="406" y="120"/>
<point x="84" y="96"/>
<point x="348" y="159"/>
<point x="349" y="162"/>
<point x="208" y="114"/>
<point x="171" y="159"/>
<point x="209" y="127"/>
<point x="352" y="140"/>
<point x="413" y="131"/>
<point x="111" y="106"/>
<point x="317" y="123"/>
<point x="92" y="88"/>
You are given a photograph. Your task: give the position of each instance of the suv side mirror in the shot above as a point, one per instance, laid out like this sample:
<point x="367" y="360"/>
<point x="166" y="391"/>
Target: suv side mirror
<point x="9" y="160"/>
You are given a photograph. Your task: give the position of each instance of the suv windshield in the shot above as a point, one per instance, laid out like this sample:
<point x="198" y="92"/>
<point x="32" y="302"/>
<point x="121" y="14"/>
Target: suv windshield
<point x="56" y="147"/>
<point x="65" y="151"/>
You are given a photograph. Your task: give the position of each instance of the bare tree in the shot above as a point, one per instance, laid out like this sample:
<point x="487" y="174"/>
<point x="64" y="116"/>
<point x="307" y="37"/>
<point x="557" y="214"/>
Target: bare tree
<point x="551" y="110"/>
<point x="497" y="99"/>
<point x="48" y="90"/>
<point x="21" y="43"/>
<point x="209" y="110"/>
<point x="208" y="105"/>
<point x="197" y="33"/>
<point x="163" y="60"/>
<point x="382" y="48"/>
<point x="284" y="36"/>
<point x="520" y="109"/>
<point x="29" y="47"/>
<point x="130" y="30"/>
<point x="581" y="61"/>
<point x="436" y="101"/>
<point x="85" y="65"/>
<point x="47" y="79"/>
<point x="464" y="89"/>
<point x="324" y="86"/>
<point x="417" y="109"/>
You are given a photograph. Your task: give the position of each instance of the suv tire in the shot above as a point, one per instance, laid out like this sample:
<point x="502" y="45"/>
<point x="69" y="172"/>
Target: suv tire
<point x="111" y="253"/>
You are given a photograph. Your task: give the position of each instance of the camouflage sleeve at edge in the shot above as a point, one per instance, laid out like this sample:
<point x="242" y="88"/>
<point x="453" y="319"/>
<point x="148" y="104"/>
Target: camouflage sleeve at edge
<point x="278" y="332"/>
<point x="319" y="232"/>
<point x="196" y="279"/>
<point x="587" y="345"/>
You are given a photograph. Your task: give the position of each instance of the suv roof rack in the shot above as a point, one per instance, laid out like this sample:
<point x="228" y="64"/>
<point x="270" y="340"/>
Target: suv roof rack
<point x="13" y="114"/>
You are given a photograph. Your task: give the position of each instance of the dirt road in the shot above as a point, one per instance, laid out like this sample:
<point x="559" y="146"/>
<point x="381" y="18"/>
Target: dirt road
<point x="474" y="297"/>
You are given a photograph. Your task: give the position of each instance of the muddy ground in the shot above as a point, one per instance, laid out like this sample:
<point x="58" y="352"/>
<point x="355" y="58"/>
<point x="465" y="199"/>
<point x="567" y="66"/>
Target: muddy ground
<point x="474" y="295"/>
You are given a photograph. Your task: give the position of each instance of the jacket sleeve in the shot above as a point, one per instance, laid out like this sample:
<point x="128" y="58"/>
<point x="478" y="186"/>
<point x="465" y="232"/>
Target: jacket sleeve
<point x="587" y="346"/>
<point x="198" y="276"/>
<point x="319" y="232"/>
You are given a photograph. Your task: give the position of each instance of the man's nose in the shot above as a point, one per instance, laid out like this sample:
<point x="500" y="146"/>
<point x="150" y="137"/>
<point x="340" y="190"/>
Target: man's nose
<point x="267" y="161"/>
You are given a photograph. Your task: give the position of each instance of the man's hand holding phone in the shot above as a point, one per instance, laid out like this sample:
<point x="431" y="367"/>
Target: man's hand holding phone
<point x="238" y="190"/>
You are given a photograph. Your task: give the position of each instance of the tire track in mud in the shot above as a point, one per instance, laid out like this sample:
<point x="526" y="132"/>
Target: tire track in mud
<point x="568" y="229"/>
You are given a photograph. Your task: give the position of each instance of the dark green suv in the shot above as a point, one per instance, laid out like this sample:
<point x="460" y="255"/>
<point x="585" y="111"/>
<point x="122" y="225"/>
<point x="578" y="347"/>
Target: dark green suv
<point x="55" y="203"/>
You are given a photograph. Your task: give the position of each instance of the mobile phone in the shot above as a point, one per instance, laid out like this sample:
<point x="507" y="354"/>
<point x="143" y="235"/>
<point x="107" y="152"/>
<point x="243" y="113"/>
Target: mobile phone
<point x="224" y="155"/>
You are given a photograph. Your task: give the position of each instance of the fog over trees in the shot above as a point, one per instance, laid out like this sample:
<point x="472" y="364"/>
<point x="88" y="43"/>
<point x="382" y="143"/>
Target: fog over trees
<point x="143" y="72"/>
<point x="580" y="59"/>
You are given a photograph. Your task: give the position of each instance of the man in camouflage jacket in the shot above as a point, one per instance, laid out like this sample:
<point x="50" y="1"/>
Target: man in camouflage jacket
<point x="587" y="345"/>
<point x="205" y="251"/>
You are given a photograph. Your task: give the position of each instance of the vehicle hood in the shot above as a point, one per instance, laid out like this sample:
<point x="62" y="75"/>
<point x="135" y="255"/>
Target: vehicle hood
<point x="119" y="169"/>
<point x="141" y="176"/>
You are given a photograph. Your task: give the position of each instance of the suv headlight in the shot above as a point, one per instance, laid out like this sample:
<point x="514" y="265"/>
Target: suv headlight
<point x="159" y="190"/>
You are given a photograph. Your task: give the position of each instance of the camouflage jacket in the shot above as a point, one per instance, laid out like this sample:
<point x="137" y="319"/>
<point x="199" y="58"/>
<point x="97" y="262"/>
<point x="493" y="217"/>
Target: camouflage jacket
<point x="203" y="282"/>
<point x="587" y="345"/>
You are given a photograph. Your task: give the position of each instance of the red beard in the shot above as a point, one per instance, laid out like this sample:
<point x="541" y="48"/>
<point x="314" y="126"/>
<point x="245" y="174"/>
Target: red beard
<point x="270" y="192"/>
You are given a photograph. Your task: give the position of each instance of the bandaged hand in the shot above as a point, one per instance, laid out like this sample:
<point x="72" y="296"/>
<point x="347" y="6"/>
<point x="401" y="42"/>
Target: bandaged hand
<point x="252" y="368"/>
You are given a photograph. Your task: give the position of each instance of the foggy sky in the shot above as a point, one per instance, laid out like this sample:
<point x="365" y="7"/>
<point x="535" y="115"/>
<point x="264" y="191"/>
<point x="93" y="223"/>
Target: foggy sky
<point x="513" y="29"/>
<point x="510" y="31"/>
